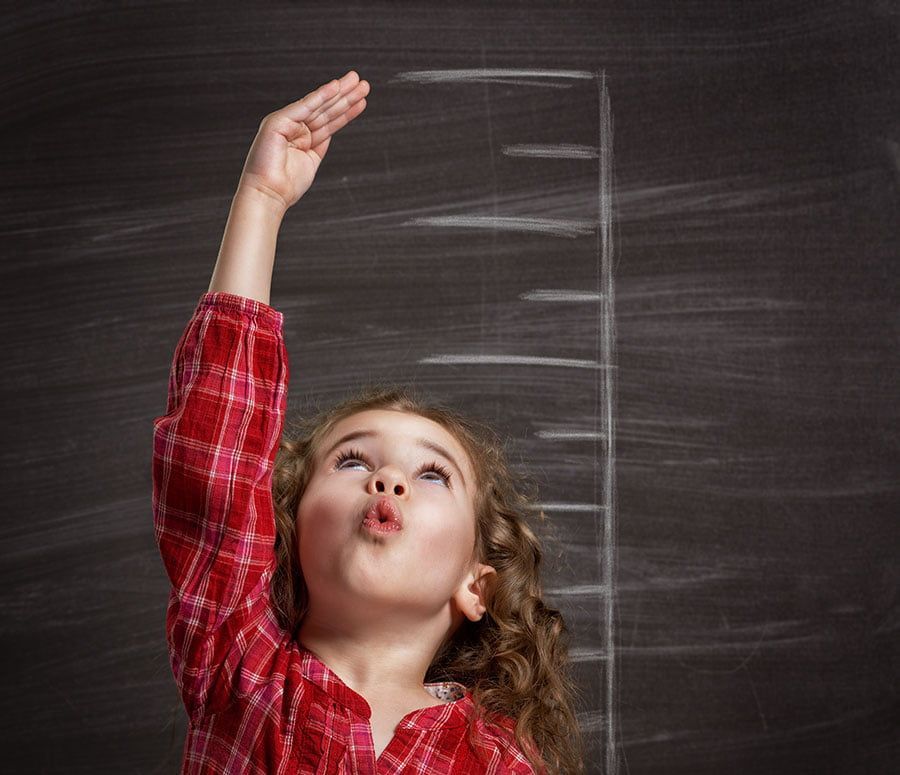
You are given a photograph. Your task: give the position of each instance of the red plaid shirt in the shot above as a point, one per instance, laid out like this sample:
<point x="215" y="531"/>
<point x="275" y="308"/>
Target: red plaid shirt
<point x="257" y="700"/>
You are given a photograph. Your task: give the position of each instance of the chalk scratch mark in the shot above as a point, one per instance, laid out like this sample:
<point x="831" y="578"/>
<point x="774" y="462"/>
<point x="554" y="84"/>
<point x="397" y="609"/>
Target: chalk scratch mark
<point x="523" y="360"/>
<point x="555" y="227"/>
<point x="505" y="75"/>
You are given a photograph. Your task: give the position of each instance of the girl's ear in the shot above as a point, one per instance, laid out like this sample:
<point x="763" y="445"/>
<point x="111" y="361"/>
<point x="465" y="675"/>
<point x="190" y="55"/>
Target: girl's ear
<point x="473" y="603"/>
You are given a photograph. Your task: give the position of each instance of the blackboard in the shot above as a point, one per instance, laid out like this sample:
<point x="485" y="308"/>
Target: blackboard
<point x="654" y="245"/>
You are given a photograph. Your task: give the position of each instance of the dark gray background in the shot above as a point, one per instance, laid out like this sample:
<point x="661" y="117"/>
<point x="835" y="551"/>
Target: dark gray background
<point x="756" y="149"/>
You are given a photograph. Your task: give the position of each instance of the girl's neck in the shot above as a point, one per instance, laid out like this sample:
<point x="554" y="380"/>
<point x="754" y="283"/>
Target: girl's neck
<point x="389" y="670"/>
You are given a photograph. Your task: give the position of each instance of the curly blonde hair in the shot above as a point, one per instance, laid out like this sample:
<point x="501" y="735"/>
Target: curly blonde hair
<point x="515" y="658"/>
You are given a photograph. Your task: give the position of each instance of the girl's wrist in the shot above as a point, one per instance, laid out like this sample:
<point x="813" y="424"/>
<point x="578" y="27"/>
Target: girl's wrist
<point x="268" y="203"/>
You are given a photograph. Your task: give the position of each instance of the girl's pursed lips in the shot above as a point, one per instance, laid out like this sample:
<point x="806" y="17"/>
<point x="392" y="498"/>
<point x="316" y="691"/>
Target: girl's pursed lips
<point x="384" y="511"/>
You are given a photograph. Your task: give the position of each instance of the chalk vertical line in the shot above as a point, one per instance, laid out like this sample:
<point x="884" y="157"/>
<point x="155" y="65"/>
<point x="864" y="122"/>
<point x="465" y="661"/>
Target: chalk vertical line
<point x="598" y="413"/>
<point x="606" y="356"/>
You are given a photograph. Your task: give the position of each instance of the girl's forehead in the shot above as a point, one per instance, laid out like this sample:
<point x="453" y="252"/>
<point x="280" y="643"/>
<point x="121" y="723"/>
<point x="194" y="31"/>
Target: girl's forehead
<point x="390" y="422"/>
<point x="398" y="426"/>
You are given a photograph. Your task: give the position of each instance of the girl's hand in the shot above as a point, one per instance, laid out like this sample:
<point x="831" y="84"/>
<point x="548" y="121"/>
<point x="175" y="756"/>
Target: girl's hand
<point x="292" y="141"/>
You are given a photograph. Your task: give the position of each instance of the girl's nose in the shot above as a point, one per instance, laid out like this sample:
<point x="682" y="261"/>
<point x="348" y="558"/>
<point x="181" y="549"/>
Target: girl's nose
<point x="388" y="479"/>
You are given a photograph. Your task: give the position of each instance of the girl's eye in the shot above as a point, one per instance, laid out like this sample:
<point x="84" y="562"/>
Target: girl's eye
<point x="437" y="468"/>
<point x="358" y="457"/>
<point x="349" y="455"/>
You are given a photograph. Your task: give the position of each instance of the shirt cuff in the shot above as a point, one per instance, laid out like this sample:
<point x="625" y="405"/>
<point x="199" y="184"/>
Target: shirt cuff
<point x="243" y="304"/>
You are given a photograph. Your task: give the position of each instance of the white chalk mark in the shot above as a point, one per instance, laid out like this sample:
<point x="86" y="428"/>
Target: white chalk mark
<point x="589" y="720"/>
<point x="570" y="435"/>
<point x="557" y="227"/>
<point x="561" y="506"/>
<point x="759" y="710"/>
<point x="548" y="151"/>
<point x="517" y="360"/>
<point x="482" y="274"/>
<point x="605" y="342"/>
<point x="719" y="649"/>
<point x="560" y="294"/>
<point x="507" y="75"/>
<point x="578" y="590"/>
<point x="588" y="655"/>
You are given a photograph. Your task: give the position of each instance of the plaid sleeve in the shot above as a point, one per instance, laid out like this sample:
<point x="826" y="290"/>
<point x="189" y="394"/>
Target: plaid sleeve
<point x="213" y="455"/>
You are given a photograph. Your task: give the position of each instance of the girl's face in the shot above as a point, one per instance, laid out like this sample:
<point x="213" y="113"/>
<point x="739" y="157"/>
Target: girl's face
<point x="403" y="577"/>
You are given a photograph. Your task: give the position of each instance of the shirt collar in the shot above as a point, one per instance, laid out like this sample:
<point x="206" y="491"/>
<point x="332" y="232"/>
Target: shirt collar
<point x="446" y="714"/>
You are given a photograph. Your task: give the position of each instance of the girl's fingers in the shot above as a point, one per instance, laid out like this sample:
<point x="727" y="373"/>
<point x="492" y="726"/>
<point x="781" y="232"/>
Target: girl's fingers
<point x="344" y="118"/>
<point x="337" y="107"/>
<point x="309" y="106"/>
<point x="350" y="92"/>
<point x="333" y="87"/>
<point x="327" y="128"/>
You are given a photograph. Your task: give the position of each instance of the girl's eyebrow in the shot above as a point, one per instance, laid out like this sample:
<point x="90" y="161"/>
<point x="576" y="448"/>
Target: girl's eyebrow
<point x="422" y="442"/>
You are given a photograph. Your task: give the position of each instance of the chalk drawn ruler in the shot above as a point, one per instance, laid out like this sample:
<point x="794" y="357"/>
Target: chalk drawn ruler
<point x="601" y="432"/>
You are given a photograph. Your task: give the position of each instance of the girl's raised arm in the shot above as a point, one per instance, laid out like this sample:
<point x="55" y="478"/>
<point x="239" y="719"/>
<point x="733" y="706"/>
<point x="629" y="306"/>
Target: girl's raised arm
<point x="215" y="446"/>
<point x="279" y="169"/>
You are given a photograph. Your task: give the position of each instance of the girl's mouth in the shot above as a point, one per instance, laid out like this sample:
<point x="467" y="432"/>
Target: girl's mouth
<point x="383" y="516"/>
<point x="377" y="526"/>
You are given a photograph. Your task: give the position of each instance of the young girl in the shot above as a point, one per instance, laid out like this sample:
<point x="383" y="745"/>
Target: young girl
<point x="362" y="595"/>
